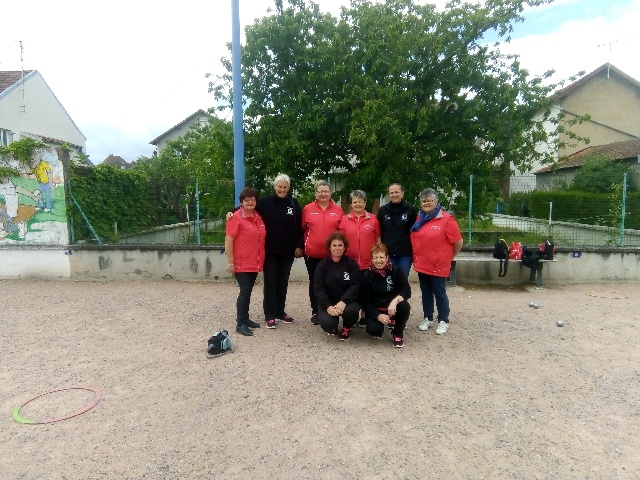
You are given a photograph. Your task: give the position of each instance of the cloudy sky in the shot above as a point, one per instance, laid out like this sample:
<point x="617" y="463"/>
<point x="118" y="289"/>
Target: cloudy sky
<point x="127" y="71"/>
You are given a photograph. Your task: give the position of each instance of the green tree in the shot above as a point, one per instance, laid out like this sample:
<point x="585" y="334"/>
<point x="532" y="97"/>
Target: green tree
<point x="602" y="175"/>
<point x="390" y="91"/>
<point x="204" y="153"/>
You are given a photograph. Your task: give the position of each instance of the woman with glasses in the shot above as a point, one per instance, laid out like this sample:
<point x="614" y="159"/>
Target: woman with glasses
<point x="244" y="246"/>
<point x="319" y="219"/>
<point x="396" y="219"/>
<point x="436" y="240"/>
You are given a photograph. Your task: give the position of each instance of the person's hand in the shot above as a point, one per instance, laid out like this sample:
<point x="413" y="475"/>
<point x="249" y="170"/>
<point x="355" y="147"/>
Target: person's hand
<point x="384" y="319"/>
<point x="340" y="306"/>
<point x="299" y="253"/>
<point x="392" y="308"/>
<point x="231" y="268"/>
<point x="333" y="311"/>
<point x="229" y="216"/>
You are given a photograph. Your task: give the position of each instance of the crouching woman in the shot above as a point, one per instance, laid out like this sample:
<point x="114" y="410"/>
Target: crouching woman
<point x="384" y="292"/>
<point x="337" y="288"/>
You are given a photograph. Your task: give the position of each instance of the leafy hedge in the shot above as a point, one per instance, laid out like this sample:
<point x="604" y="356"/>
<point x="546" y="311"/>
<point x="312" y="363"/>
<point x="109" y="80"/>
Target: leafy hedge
<point x="575" y="206"/>
<point x="107" y="194"/>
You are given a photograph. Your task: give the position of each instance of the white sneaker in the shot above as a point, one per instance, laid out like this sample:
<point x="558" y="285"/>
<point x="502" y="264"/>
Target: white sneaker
<point x="426" y="323"/>
<point x="442" y="328"/>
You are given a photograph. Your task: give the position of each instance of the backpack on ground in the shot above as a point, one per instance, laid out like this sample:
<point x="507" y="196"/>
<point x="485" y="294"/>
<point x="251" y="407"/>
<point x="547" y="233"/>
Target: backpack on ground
<point x="530" y="258"/>
<point x="219" y="343"/>
<point x="547" y="250"/>
<point x="515" y="251"/>
<point x="501" y="251"/>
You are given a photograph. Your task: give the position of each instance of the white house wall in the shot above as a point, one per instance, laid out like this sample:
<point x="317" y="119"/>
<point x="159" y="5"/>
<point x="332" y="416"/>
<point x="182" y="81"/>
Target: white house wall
<point x="42" y="114"/>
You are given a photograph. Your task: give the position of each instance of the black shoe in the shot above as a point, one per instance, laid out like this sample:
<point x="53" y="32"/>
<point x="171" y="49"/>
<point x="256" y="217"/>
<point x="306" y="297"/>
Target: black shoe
<point x="252" y="324"/>
<point x="314" y="319"/>
<point x="242" y="329"/>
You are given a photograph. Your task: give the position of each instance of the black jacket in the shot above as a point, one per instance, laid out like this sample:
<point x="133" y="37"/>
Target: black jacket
<point x="396" y="221"/>
<point x="377" y="291"/>
<point x="283" y="221"/>
<point x="334" y="282"/>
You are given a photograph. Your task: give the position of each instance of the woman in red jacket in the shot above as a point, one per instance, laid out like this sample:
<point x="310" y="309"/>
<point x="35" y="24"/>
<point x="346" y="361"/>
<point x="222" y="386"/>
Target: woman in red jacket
<point x="319" y="219"/>
<point x="361" y="229"/>
<point x="435" y="240"/>
<point x="244" y="246"/>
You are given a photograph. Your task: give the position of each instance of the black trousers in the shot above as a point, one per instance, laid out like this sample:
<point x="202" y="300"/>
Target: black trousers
<point x="350" y="317"/>
<point x="311" y="264"/>
<point x="276" y="273"/>
<point x="403" y="310"/>
<point x="246" y="281"/>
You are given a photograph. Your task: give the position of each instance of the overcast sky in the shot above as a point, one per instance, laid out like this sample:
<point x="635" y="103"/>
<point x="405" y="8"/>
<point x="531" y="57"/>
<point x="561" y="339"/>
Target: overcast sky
<point x="127" y="71"/>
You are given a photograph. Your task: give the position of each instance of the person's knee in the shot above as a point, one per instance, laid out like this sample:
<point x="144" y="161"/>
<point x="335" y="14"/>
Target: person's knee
<point x="374" y="328"/>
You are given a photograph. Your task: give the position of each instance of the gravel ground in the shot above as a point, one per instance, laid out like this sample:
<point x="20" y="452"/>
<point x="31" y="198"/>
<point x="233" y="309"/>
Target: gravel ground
<point x="504" y="394"/>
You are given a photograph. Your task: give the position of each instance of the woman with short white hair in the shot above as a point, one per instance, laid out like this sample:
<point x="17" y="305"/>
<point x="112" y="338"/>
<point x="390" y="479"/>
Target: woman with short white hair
<point x="282" y="216"/>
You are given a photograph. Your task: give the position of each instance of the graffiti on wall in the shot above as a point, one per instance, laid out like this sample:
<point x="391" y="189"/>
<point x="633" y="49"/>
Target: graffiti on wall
<point x="32" y="204"/>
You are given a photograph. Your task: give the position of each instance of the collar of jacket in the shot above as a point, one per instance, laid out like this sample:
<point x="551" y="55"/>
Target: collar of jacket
<point x="367" y="215"/>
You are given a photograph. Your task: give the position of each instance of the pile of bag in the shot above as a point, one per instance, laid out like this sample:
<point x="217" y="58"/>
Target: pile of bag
<point x="529" y="257"/>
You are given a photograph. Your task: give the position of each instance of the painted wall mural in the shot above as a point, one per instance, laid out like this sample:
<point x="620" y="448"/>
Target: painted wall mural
<point x="32" y="205"/>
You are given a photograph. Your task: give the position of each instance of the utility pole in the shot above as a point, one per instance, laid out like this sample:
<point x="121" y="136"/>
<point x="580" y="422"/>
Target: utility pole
<point x="238" y="134"/>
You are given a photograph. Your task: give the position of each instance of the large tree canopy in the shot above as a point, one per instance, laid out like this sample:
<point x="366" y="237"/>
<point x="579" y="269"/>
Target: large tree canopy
<point x="205" y="153"/>
<point x="389" y="91"/>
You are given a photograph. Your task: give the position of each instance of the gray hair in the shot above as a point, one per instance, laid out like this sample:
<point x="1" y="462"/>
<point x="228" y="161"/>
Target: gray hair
<point x="282" y="178"/>
<point x="322" y="183"/>
<point x="427" y="193"/>
<point x="358" y="194"/>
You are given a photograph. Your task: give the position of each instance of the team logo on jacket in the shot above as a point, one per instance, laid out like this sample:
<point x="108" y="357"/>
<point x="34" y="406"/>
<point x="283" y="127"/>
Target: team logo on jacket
<point x="435" y="227"/>
<point x="333" y="214"/>
<point x="389" y="284"/>
<point x="346" y="276"/>
<point x="368" y="226"/>
<point x="289" y="210"/>
<point x="387" y="218"/>
<point x="405" y="216"/>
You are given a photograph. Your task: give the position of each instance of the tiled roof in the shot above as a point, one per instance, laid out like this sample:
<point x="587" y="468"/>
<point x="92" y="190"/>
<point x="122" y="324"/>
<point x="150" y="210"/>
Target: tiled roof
<point x="615" y="151"/>
<point x="116" y="160"/>
<point x="8" y="78"/>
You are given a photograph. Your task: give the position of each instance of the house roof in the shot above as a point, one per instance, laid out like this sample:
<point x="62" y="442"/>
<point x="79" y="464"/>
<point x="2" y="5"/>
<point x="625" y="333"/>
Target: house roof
<point x="8" y="78"/>
<point x="607" y="67"/>
<point x="199" y="113"/>
<point x="116" y="161"/>
<point x="615" y="151"/>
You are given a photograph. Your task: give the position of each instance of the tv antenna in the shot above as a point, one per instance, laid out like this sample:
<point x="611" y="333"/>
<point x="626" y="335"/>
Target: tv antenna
<point x="23" y="107"/>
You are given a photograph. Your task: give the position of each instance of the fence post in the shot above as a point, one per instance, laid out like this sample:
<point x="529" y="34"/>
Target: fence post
<point x="197" y="213"/>
<point x="624" y="207"/>
<point x="470" y="207"/>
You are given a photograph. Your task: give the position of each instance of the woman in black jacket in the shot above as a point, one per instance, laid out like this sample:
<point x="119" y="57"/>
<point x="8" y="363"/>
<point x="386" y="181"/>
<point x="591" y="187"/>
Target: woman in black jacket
<point x="337" y="288"/>
<point x="384" y="293"/>
<point x="396" y="219"/>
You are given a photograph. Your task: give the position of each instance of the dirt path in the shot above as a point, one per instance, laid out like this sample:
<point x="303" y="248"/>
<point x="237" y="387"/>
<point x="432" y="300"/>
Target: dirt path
<point x="504" y="394"/>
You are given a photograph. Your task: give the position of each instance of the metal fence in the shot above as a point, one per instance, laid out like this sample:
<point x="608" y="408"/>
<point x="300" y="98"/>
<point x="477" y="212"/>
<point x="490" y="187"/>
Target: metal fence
<point x="516" y="212"/>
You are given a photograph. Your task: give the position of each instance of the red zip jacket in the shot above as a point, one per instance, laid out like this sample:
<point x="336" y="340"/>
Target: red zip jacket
<point x="317" y="225"/>
<point x="248" y="241"/>
<point x="433" y="245"/>
<point x="362" y="234"/>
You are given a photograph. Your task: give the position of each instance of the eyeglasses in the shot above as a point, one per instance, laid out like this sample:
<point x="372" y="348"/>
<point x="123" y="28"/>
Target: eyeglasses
<point x="323" y="192"/>
<point x="249" y="200"/>
<point x="428" y="200"/>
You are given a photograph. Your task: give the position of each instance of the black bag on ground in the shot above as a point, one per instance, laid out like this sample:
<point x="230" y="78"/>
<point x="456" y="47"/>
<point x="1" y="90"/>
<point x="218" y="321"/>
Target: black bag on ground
<point x="547" y="249"/>
<point x="219" y="343"/>
<point x="501" y="251"/>
<point x="530" y="258"/>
